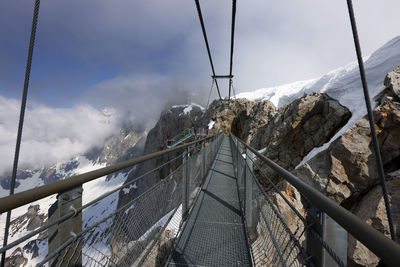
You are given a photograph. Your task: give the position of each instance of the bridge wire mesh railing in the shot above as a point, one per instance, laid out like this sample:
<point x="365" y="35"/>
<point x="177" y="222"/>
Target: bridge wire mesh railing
<point x="271" y="241"/>
<point x="276" y="227"/>
<point x="289" y="223"/>
<point x="143" y="230"/>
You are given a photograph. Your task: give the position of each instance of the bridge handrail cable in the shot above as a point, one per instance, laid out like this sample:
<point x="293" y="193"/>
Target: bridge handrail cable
<point x="383" y="247"/>
<point x="19" y="199"/>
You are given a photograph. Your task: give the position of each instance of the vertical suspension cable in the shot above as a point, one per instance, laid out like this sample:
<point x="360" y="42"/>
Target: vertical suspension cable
<point x="371" y="119"/>
<point x="209" y="94"/>
<point x="21" y="121"/>
<point x="232" y="43"/>
<point x="206" y="41"/>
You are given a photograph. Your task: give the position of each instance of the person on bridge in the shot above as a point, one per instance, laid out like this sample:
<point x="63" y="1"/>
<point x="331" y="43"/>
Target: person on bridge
<point x="169" y="140"/>
<point x="207" y="131"/>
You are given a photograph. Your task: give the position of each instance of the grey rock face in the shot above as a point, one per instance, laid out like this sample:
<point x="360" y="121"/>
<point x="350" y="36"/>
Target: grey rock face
<point x="347" y="169"/>
<point x="297" y="128"/>
<point x="171" y="123"/>
<point x="16" y="259"/>
<point x="119" y="147"/>
<point x="392" y="84"/>
<point x="224" y="114"/>
<point x="371" y="209"/>
<point x="247" y="122"/>
<point x="31" y="220"/>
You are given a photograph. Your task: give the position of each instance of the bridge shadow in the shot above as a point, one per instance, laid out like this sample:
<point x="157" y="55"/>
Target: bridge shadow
<point x="227" y="175"/>
<point x="223" y="202"/>
<point x="227" y="162"/>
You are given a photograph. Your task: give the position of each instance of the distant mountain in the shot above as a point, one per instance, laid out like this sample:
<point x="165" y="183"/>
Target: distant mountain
<point x="127" y="144"/>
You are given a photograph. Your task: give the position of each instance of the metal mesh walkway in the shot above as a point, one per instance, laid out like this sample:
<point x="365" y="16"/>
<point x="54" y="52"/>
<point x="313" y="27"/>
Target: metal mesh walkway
<point x="214" y="234"/>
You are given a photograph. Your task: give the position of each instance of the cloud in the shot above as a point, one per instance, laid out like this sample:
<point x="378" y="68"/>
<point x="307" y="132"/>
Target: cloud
<point x="51" y="135"/>
<point x="139" y="56"/>
<point x="141" y="97"/>
<point x="80" y="43"/>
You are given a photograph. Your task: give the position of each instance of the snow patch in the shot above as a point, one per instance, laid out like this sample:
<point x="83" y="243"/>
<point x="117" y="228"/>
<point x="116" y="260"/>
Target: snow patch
<point x="211" y="124"/>
<point x="188" y="107"/>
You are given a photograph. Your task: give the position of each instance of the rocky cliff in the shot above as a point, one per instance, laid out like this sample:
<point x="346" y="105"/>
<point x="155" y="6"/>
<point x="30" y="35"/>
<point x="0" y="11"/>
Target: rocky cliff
<point x="347" y="173"/>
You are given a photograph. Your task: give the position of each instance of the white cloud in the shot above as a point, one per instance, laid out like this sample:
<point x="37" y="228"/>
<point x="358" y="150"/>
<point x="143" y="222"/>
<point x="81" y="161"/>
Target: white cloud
<point x="143" y="96"/>
<point x="51" y="135"/>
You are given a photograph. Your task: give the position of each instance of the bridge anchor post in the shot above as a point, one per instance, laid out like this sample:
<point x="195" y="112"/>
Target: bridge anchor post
<point x="248" y="193"/>
<point x="61" y="233"/>
<point x="321" y="228"/>
<point x="203" y="164"/>
<point x="185" y="186"/>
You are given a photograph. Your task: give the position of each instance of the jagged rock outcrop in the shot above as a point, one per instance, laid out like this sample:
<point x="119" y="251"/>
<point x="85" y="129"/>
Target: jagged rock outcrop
<point x="171" y="123"/>
<point x="30" y="221"/>
<point x="223" y="113"/>
<point x="371" y="209"/>
<point x="247" y="122"/>
<point x="16" y="259"/>
<point x="297" y="128"/>
<point x="392" y="84"/>
<point x="122" y="147"/>
<point x="347" y="169"/>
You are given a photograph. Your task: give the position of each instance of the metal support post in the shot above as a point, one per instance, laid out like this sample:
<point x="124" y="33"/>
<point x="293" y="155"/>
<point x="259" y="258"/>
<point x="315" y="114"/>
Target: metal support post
<point x="203" y="164"/>
<point x="248" y="192"/>
<point x="336" y="238"/>
<point x="237" y="159"/>
<point x="60" y="233"/>
<point x="185" y="180"/>
<point x="315" y="222"/>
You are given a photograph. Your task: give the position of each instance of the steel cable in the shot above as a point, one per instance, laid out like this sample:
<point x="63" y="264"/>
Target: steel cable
<point x="371" y="118"/>
<point x="21" y="121"/>
<point x="209" y="94"/>
<point x="207" y="45"/>
<point x="232" y="44"/>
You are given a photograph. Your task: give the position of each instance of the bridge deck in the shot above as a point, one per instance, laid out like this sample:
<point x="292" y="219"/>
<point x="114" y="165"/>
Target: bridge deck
<point x="214" y="234"/>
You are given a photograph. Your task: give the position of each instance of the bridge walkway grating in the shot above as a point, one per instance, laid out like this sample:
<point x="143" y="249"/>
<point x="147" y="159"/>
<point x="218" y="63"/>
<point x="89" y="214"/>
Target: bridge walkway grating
<point x="214" y="234"/>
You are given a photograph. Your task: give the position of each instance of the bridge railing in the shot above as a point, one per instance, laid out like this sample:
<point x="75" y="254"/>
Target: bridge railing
<point x="178" y="139"/>
<point x="287" y="227"/>
<point x="141" y="231"/>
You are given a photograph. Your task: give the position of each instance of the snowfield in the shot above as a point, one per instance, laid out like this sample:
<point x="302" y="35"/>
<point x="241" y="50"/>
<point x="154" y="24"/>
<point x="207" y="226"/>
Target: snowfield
<point x="91" y="215"/>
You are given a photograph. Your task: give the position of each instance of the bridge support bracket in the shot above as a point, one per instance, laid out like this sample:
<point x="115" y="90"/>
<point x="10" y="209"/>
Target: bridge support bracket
<point x="60" y="233"/>
<point x="321" y="228"/>
<point x="185" y="186"/>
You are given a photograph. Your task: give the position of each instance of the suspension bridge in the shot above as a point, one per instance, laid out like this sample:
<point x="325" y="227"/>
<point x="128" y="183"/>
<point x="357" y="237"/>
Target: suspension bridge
<point x="210" y="208"/>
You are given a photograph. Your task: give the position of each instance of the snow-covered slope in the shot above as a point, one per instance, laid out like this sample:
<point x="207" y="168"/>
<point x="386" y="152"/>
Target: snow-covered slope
<point x="128" y="144"/>
<point x="343" y="84"/>
<point x="35" y="249"/>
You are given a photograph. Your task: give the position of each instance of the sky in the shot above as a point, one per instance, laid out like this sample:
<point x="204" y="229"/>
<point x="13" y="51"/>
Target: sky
<point x="137" y="57"/>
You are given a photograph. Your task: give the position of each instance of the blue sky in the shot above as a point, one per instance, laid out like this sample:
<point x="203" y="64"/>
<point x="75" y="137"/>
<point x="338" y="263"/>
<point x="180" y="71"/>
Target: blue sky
<point x="136" y="57"/>
<point x="81" y="44"/>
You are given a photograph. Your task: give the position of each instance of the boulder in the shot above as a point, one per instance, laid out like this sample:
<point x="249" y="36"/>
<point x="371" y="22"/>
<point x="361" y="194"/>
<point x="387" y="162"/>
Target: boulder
<point x="247" y="122"/>
<point x="347" y="169"/>
<point x="392" y="84"/>
<point x="223" y="113"/>
<point x="297" y="128"/>
<point x="371" y="209"/>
